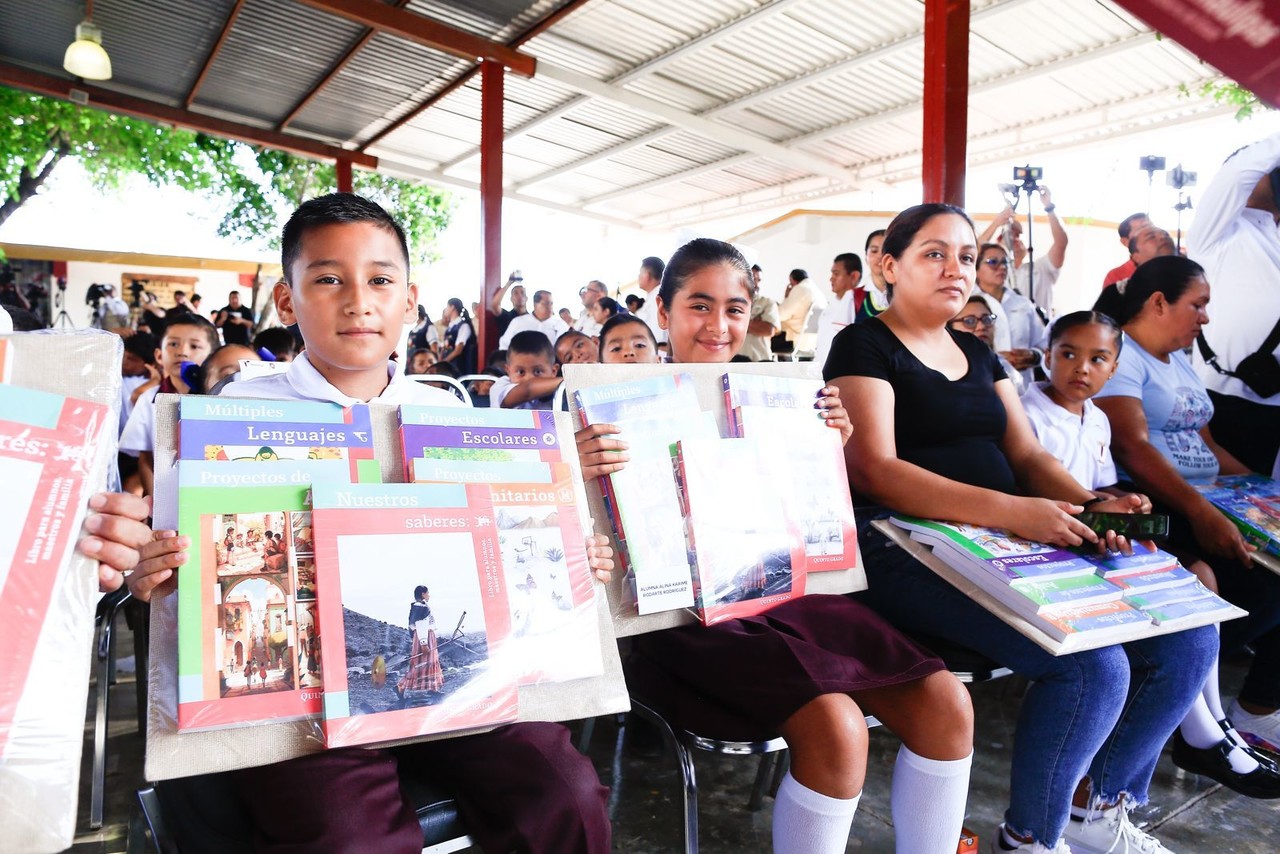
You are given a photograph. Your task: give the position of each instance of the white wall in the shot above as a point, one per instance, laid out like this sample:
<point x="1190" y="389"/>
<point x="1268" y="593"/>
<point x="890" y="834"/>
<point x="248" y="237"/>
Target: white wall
<point x="812" y="241"/>
<point x="213" y="285"/>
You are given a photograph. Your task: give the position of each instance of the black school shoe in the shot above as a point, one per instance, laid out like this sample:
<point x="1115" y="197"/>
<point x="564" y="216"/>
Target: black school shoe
<point x="1262" y="782"/>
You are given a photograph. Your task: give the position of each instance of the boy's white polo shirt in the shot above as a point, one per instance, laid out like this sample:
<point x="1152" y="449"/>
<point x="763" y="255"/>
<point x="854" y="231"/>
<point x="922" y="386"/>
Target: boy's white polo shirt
<point x="1081" y="444"/>
<point x="303" y="382"/>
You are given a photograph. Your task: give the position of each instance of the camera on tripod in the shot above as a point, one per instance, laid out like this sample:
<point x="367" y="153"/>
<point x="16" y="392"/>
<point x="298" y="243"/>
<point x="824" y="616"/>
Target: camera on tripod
<point x="1027" y="176"/>
<point x="95" y="295"/>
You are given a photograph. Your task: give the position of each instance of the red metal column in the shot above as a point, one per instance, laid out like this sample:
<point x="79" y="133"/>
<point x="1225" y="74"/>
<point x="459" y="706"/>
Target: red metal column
<point x="342" y="168"/>
<point x="490" y="199"/>
<point x="946" y="99"/>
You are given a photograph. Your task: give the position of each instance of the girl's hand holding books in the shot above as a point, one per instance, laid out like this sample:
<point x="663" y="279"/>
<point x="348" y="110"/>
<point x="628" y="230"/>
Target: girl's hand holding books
<point x="1218" y="535"/>
<point x="599" y="454"/>
<point x="118" y="530"/>
<point x="600" y="557"/>
<point x="159" y="558"/>
<point x="833" y="412"/>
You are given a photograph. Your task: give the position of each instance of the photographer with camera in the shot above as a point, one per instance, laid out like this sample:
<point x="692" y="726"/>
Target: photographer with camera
<point x="9" y="293"/>
<point x="1234" y="238"/>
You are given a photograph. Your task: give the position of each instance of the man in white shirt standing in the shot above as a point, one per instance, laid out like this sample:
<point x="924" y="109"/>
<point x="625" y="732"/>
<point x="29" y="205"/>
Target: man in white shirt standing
<point x="802" y="300"/>
<point x="1234" y="238"/>
<point x="586" y="324"/>
<point x="543" y="318"/>
<point x="762" y="326"/>
<point x="846" y="273"/>
<point x="650" y="278"/>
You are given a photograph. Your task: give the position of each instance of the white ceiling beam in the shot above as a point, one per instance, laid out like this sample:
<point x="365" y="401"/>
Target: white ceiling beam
<point x="400" y="169"/>
<point x="661" y="182"/>
<point x="786" y="195"/>
<point x="728" y="28"/>
<point x="726" y="135"/>
<point x="807" y="78"/>
<point x="1052" y="66"/>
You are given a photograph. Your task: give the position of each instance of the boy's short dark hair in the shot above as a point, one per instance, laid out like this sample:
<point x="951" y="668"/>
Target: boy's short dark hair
<point x="655" y="265"/>
<point x="278" y="340"/>
<point x="329" y="210"/>
<point x="143" y="345"/>
<point x="531" y="342"/>
<point x="850" y="261"/>
<point x="210" y="331"/>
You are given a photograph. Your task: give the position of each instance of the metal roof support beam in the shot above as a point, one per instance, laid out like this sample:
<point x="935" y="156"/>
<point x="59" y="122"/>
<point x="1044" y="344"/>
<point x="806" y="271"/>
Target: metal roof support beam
<point x="213" y="54"/>
<point x="425" y="31"/>
<point x="115" y="102"/>
<point x="714" y="131"/>
<point x="946" y="99"/>
<point x="491" y="86"/>
<point x="650" y="66"/>
<point x="333" y="71"/>
<point x="1051" y="66"/>
<point x="461" y="80"/>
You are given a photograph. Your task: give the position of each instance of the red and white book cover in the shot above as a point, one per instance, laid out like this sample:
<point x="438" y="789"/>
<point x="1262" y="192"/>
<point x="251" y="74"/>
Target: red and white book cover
<point x="48" y="445"/>
<point x="414" y="611"/>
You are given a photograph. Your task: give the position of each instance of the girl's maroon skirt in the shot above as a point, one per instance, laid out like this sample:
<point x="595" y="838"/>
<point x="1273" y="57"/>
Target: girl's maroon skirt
<point x="741" y="679"/>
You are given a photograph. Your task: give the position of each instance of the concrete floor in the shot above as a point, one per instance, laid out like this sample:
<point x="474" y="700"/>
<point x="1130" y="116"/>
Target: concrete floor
<point x="1188" y="813"/>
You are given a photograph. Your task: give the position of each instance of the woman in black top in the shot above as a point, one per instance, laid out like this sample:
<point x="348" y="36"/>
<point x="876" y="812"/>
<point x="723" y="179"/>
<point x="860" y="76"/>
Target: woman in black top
<point x="939" y="432"/>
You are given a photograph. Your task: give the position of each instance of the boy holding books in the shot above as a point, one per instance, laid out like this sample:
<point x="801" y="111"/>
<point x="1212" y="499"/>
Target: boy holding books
<point x="532" y="373"/>
<point x="520" y="787"/>
<point x="190" y="338"/>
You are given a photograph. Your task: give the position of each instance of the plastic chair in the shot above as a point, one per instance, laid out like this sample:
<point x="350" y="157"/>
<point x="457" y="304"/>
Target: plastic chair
<point x="104" y="663"/>
<point x="453" y="385"/>
<point x="208" y="807"/>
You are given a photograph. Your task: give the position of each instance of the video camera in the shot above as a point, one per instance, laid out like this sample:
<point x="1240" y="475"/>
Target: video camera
<point x="96" y="294"/>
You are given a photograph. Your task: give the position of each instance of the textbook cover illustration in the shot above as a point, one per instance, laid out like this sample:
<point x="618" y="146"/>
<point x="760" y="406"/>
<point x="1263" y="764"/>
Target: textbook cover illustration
<point x="1252" y="502"/>
<point x="803" y="457"/>
<point x="544" y="562"/>
<point x="1145" y="559"/>
<point x="230" y="429"/>
<point x="652" y="414"/>
<point x="48" y="445"/>
<point x="248" y="638"/>
<point x="482" y="435"/>
<point x="746" y="555"/>
<point x="414" y="608"/>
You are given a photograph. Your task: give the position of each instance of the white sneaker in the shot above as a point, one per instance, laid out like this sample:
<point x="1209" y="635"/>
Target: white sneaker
<point x="1111" y="832"/>
<point x="1025" y="847"/>
<point x="1258" y="730"/>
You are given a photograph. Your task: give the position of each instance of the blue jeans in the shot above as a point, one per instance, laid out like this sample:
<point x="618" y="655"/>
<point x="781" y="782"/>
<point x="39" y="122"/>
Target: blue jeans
<point x="1105" y="713"/>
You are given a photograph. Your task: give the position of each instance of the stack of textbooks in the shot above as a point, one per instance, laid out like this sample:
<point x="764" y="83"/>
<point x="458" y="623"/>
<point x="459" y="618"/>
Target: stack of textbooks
<point x="1065" y="593"/>
<point x="48" y="449"/>
<point x="759" y="508"/>
<point x="1252" y="502"/>
<point x="388" y="611"/>
<point x="248" y="629"/>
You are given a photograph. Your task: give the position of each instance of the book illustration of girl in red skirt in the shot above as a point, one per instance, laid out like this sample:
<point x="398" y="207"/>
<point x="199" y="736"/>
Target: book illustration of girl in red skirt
<point x="424" y="660"/>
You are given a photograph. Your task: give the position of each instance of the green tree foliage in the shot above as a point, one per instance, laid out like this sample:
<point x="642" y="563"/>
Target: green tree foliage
<point x="1232" y="94"/>
<point x="258" y="186"/>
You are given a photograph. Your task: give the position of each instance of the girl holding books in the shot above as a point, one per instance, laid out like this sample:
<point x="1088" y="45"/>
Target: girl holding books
<point x="1081" y="356"/>
<point x="939" y="432"/>
<point x="1159" y="412"/>
<point x="811" y="668"/>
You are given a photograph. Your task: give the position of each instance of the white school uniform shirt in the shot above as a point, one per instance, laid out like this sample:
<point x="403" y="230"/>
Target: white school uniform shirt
<point x="553" y="327"/>
<point x="649" y="314"/>
<point x="140" y="430"/>
<point x="838" y="315"/>
<point x="304" y="382"/>
<point x="1082" y="444"/>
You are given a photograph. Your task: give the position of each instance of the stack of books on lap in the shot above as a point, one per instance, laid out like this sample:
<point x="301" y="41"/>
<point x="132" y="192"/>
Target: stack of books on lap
<point x="1252" y="502"/>
<point x="248" y="629"/>
<point x="802" y="458"/>
<point x="437" y="599"/>
<point x="550" y="593"/>
<point x="1064" y="593"/>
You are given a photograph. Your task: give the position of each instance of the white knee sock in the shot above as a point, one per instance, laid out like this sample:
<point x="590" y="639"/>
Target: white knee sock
<point x="807" y="822"/>
<point x="928" y="802"/>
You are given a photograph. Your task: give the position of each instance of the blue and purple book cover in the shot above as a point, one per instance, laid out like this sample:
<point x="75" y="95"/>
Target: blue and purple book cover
<point x="1144" y="559"/>
<point x="499" y="436"/>
<point x="218" y="429"/>
<point x="1173" y="577"/>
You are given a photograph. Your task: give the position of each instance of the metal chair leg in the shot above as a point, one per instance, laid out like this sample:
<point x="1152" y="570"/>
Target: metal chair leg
<point x="105" y="651"/>
<point x="764" y="776"/>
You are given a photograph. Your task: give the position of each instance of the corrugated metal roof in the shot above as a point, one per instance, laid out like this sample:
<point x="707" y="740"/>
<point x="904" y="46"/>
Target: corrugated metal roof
<point x="652" y="110"/>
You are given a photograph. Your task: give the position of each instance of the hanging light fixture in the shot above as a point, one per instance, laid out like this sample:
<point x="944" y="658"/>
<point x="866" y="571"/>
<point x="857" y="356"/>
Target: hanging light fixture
<point x="85" y="57"/>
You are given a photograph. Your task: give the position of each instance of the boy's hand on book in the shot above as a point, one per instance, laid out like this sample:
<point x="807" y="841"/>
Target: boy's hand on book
<point x="600" y="557"/>
<point x="117" y="530"/>
<point x="160" y="557"/>
<point x="833" y="412"/>
<point x="1047" y="521"/>
<point x="600" y="455"/>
